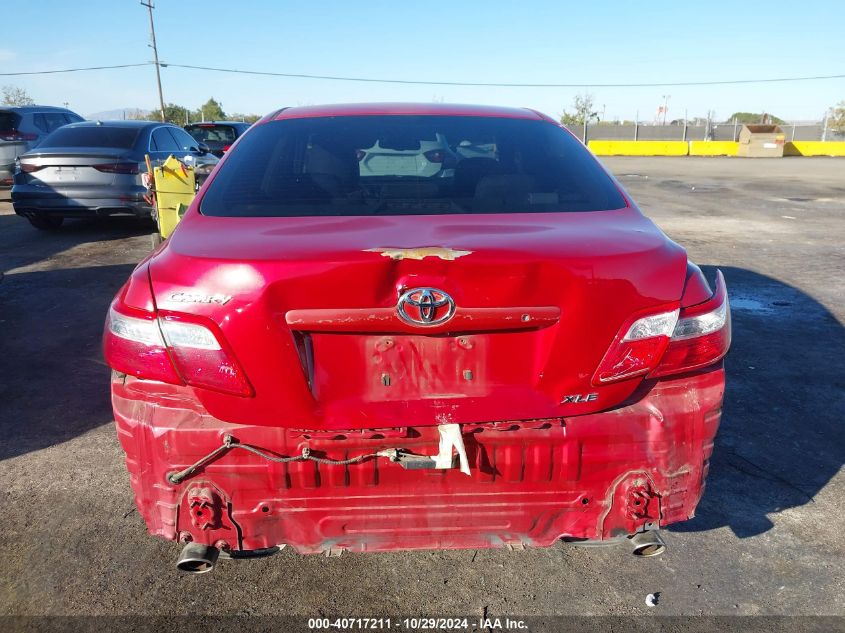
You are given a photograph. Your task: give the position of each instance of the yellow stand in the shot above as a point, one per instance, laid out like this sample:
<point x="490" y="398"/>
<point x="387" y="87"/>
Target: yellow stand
<point x="175" y="188"/>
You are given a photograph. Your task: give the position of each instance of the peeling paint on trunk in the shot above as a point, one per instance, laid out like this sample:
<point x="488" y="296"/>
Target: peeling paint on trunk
<point x="441" y="252"/>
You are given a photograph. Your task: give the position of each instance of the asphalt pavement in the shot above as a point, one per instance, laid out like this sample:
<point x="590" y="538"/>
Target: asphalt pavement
<point x="768" y="538"/>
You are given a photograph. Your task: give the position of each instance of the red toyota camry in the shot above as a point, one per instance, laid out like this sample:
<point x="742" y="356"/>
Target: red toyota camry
<point x="397" y="326"/>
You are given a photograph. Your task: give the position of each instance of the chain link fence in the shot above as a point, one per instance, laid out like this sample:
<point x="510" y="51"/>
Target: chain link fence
<point x="712" y="131"/>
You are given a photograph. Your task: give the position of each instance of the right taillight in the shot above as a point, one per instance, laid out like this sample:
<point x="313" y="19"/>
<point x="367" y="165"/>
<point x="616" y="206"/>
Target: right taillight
<point x="702" y="335"/>
<point x="670" y="342"/>
<point x="170" y="347"/>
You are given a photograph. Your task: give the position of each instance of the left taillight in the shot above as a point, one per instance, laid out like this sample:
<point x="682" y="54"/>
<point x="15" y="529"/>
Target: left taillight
<point x="170" y="347"/>
<point x="670" y="342"/>
<point x="133" y="344"/>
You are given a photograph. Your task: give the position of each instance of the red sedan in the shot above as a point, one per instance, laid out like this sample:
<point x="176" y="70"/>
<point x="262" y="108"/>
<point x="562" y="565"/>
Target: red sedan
<point x="484" y="344"/>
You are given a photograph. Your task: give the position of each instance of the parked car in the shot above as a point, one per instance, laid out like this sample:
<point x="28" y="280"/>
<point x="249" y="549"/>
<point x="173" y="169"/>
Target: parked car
<point x="94" y="168"/>
<point x="335" y="361"/>
<point x="217" y="135"/>
<point x="23" y="128"/>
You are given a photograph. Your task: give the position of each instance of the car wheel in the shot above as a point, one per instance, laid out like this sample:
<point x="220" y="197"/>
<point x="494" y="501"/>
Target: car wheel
<point x="46" y="222"/>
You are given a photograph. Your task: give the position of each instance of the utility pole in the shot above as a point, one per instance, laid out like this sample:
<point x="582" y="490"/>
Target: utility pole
<point x="150" y="6"/>
<point x="665" y="107"/>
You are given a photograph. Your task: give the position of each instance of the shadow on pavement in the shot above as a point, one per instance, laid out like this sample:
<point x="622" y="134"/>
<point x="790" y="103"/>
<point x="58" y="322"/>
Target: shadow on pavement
<point x="781" y="438"/>
<point x="55" y="385"/>
<point x="21" y="244"/>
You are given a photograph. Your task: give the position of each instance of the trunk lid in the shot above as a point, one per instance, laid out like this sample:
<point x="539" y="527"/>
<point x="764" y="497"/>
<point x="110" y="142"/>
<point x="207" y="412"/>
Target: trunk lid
<point x="309" y="306"/>
<point x="71" y="166"/>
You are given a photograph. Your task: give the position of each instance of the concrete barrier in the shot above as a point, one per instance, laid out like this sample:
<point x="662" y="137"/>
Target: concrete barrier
<point x="814" y="148"/>
<point x="707" y="148"/>
<point x="713" y="148"/>
<point x="639" y="148"/>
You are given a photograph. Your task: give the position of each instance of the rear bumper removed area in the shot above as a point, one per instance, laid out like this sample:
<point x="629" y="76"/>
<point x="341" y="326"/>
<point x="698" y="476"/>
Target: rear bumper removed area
<point x="596" y="477"/>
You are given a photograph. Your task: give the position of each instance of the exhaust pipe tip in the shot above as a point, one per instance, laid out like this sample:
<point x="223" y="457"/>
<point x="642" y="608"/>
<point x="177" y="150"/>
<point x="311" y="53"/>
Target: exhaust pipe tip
<point x="197" y="558"/>
<point x="647" y="544"/>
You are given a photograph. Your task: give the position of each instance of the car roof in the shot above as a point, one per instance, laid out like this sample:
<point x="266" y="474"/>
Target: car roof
<point x="427" y="109"/>
<point x="121" y="123"/>
<point x="217" y="123"/>
<point x="33" y="108"/>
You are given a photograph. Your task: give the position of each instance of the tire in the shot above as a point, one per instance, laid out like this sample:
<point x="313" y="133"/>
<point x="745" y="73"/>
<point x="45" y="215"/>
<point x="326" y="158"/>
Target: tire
<point x="44" y="222"/>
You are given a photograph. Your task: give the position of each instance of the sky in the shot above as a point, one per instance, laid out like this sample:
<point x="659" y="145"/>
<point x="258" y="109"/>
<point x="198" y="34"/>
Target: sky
<point x="525" y="41"/>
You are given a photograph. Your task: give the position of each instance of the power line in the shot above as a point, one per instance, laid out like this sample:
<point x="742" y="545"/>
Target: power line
<point x="503" y="85"/>
<point x="72" y="70"/>
<point x="417" y="82"/>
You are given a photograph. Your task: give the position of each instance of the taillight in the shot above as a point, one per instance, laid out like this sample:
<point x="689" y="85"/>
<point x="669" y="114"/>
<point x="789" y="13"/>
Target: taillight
<point x="226" y="147"/>
<point x="200" y="355"/>
<point x="118" y="168"/>
<point x="702" y="335"/>
<point x="637" y="348"/>
<point x="133" y="344"/>
<point x="173" y="348"/>
<point x="14" y="135"/>
<point x="29" y="168"/>
<point x="670" y="342"/>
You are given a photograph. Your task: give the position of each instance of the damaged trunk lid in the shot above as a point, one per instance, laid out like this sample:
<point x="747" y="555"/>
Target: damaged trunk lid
<point x="326" y="314"/>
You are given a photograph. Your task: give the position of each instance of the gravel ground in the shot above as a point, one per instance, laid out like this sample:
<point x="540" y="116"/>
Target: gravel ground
<point x="767" y="541"/>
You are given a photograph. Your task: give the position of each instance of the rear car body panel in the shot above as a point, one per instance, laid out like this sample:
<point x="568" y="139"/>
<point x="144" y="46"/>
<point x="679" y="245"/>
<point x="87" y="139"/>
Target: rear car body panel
<point x="594" y="477"/>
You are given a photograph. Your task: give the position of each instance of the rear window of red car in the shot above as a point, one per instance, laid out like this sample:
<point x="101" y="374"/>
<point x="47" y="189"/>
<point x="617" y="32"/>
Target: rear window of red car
<point x="408" y="165"/>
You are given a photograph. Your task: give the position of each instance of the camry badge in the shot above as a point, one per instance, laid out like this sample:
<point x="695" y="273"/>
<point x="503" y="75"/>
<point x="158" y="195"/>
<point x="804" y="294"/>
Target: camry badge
<point x="425" y="307"/>
<point x="192" y="297"/>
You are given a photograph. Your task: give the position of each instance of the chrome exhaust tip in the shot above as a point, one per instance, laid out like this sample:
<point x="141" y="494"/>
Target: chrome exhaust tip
<point x="647" y="544"/>
<point x="197" y="558"/>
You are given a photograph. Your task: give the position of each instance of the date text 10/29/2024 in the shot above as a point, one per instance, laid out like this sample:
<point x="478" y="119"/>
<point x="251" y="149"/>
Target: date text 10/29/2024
<point x="417" y="624"/>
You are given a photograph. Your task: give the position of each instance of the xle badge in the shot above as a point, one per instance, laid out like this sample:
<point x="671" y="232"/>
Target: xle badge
<point x="580" y="397"/>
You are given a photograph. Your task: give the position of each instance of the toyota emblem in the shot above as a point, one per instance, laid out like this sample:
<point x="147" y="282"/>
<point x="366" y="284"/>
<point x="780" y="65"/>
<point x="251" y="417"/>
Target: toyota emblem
<point x="425" y="307"/>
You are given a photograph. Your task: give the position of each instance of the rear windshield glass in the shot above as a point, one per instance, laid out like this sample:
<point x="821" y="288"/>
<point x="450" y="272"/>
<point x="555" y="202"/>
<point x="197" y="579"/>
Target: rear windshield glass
<point x="9" y="120"/>
<point x="92" y="136"/>
<point x="408" y="165"/>
<point x="223" y="134"/>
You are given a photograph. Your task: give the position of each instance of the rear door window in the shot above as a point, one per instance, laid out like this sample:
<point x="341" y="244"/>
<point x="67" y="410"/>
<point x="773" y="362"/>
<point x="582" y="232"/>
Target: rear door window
<point x="184" y="140"/>
<point x="163" y="141"/>
<point x="92" y="136"/>
<point x="49" y="121"/>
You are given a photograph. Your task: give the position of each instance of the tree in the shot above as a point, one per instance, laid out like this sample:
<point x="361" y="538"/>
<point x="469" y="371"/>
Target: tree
<point x="583" y="111"/>
<point x="836" y="122"/>
<point x="247" y="118"/>
<point x="752" y="117"/>
<point x="173" y="113"/>
<point x="212" y="111"/>
<point x="14" y="96"/>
